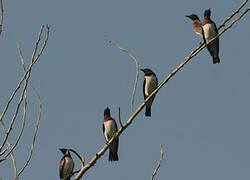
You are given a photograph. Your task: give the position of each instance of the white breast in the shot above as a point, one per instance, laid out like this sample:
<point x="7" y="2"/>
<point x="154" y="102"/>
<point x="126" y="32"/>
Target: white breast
<point x="110" y="129"/>
<point x="151" y="84"/>
<point x="209" y="31"/>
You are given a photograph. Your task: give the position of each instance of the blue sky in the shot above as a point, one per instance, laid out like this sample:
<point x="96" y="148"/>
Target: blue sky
<point x="201" y="116"/>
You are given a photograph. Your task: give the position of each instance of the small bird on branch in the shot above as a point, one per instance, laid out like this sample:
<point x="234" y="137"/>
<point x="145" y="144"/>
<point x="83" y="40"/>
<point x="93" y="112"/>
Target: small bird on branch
<point x="150" y="83"/>
<point x="66" y="165"/>
<point x="109" y="128"/>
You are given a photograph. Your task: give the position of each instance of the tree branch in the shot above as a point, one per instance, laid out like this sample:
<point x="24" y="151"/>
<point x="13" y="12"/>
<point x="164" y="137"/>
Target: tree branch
<point x="130" y="120"/>
<point x="232" y="15"/>
<point x="137" y="71"/>
<point x="82" y="159"/>
<point x="159" y="163"/>
<point x="25" y="77"/>
<point x="119" y="116"/>
<point x="34" y="137"/>
<point x="1" y="20"/>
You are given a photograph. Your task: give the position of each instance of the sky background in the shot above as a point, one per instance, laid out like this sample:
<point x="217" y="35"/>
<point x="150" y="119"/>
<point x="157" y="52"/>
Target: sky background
<point x="201" y="116"/>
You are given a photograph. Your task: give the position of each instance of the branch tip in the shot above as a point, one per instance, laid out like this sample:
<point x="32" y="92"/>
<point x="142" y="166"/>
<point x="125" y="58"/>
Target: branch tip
<point x="119" y="115"/>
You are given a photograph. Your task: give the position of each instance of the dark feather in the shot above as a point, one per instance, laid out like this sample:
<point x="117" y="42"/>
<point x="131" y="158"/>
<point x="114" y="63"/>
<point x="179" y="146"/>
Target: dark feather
<point x="113" y="149"/>
<point x="61" y="167"/>
<point x="144" y="84"/>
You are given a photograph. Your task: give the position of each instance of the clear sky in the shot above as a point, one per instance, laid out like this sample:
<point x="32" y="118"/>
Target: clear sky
<point x="201" y="116"/>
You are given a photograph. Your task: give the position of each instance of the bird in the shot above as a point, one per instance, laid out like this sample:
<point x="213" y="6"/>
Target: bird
<point x="109" y="128"/>
<point x="66" y="165"/>
<point x="150" y="83"/>
<point x="197" y="24"/>
<point x="210" y="31"/>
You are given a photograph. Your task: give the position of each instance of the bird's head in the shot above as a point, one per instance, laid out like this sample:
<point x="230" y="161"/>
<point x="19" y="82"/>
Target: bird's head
<point x="207" y="13"/>
<point x="107" y="111"/>
<point x="148" y="71"/>
<point x="193" y="17"/>
<point x="65" y="151"/>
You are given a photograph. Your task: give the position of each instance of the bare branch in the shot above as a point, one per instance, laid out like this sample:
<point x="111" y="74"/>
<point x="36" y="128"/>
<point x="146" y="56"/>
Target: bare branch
<point x="232" y="15"/>
<point x="82" y="159"/>
<point x="26" y="76"/>
<point x="34" y="137"/>
<point x="4" y="151"/>
<point x="119" y="115"/>
<point x="21" y="56"/>
<point x="131" y="118"/>
<point x="13" y="161"/>
<point x="1" y="20"/>
<point x="159" y="163"/>
<point x="137" y="71"/>
<point x="12" y="155"/>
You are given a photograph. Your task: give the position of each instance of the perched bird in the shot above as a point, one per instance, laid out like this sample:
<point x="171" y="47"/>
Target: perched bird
<point x="210" y="31"/>
<point x="66" y="165"/>
<point x="109" y="128"/>
<point x="197" y="24"/>
<point x="150" y="83"/>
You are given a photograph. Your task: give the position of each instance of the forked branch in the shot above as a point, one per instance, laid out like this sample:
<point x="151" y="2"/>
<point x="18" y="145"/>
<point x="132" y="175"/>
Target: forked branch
<point x="159" y="163"/>
<point x="137" y="71"/>
<point x="26" y="78"/>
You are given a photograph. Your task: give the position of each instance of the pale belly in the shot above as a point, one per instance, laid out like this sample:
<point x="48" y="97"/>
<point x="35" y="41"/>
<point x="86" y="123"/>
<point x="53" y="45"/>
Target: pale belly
<point x="151" y="84"/>
<point x="110" y="130"/>
<point x="209" y="31"/>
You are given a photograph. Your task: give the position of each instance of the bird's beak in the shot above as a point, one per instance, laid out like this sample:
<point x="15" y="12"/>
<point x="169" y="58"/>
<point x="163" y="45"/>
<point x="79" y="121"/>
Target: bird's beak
<point x="188" y="16"/>
<point x="142" y="70"/>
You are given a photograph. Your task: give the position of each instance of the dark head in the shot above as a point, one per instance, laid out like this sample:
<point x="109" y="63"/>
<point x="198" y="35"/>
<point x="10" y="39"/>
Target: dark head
<point x="193" y="17"/>
<point x="148" y="71"/>
<point x="65" y="151"/>
<point x="207" y="13"/>
<point x="107" y="112"/>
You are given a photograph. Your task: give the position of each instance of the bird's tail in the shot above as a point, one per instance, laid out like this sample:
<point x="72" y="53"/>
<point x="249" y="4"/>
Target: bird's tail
<point x="148" y="111"/>
<point x="216" y="60"/>
<point x="113" y="156"/>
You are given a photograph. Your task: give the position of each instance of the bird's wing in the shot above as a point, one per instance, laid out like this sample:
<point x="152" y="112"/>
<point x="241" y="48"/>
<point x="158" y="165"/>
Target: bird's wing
<point x="103" y="128"/>
<point x="217" y="40"/>
<point x="156" y="81"/>
<point x="211" y="48"/>
<point x="144" y="84"/>
<point x="116" y="128"/>
<point x="203" y="35"/>
<point x="61" y="167"/>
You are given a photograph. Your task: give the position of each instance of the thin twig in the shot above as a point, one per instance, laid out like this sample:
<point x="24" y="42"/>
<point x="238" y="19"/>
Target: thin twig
<point x="137" y="71"/>
<point x="22" y="97"/>
<point x="1" y="20"/>
<point x="33" y="61"/>
<point x="21" y="56"/>
<point x="4" y="151"/>
<point x="82" y="159"/>
<point x="159" y="163"/>
<point x="119" y="116"/>
<point x="232" y="15"/>
<point x="13" y="161"/>
<point x="35" y="134"/>
<point x="24" y="113"/>
<point x="130" y="120"/>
